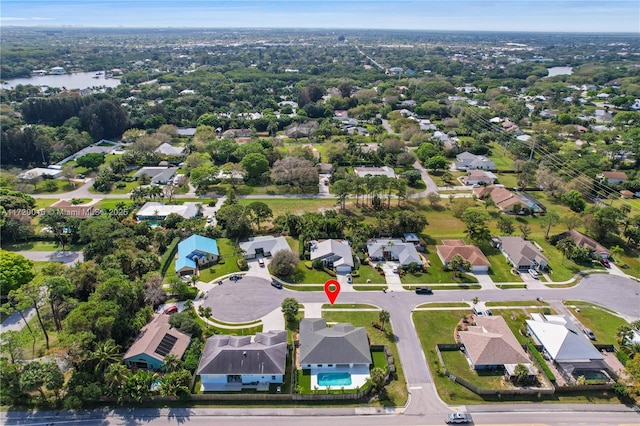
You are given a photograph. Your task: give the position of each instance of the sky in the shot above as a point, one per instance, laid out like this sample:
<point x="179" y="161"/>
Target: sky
<point x="457" y="15"/>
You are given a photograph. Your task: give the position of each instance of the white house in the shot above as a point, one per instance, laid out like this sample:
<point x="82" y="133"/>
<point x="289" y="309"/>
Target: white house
<point x="375" y="171"/>
<point x="159" y="211"/>
<point x="334" y="254"/>
<point x="265" y="245"/>
<point x="337" y="356"/>
<point x="469" y="161"/>
<point x="479" y="177"/>
<point x="231" y="363"/>
<point x="393" y="249"/>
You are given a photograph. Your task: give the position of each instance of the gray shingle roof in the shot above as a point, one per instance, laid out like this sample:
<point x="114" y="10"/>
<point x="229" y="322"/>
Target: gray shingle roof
<point x="341" y="344"/>
<point x="237" y="355"/>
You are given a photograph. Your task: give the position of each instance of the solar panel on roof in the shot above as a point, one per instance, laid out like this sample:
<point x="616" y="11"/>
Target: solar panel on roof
<point x="166" y="344"/>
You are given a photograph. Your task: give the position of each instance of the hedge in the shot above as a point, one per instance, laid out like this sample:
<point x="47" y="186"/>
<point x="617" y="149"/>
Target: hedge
<point x="541" y="361"/>
<point x="168" y="255"/>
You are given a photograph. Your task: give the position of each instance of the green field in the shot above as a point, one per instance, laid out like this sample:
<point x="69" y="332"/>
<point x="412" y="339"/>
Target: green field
<point x="603" y="324"/>
<point x="295" y="206"/>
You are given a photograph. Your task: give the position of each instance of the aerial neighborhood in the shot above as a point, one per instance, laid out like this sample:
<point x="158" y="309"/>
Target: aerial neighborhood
<point x="472" y="206"/>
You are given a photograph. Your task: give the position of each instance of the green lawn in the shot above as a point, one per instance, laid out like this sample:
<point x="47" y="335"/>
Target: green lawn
<point x="518" y="303"/>
<point x="510" y="180"/>
<point x="395" y="394"/>
<point x="435" y="273"/>
<point x="349" y="306"/>
<point x="228" y="255"/>
<point x="500" y="157"/>
<point x="456" y="363"/>
<point x="368" y="273"/>
<point x="61" y="186"/>
<point x="302" y="275"/>
<point x="129" y="186"/>
<point x="45" y="202"/>
<point x="603" y="324"/>
<point x="38" y="246"/>
<point x="295" y="206"/>
<point x="500" y="270"/>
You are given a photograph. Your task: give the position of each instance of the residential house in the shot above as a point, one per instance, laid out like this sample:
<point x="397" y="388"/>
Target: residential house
<point x="614" y="178"/>
<point x="39" y="172"/>
<point x="508" y="201"/>
<point x="479" y="177"/>
<point x="449" y="248"/>
<point x="490" y="344"/>
<point x="266" y="246"/>
<point x="186" y="131"/>
<point x="393" y="249"/>
<point x="66" y="209"/>
<point x="469" y="161"/>
<point x="155" y="341"/>
<point x="303" y="130"/>
<point x="194" y="252"/>
<point x="156" y="211"/>
<point x="375" y="171"/>
<point x="326" y="351"/>
<point x="231" y="363"/>
<point x="565" y="344"/>
<point x="334" y="254"/>
<point x="158" y="175"/>
<point x="520" y="253"/>
<point x="168" y="149"/>
<point x="581" y="240"/>
<point x="236" y="133"/>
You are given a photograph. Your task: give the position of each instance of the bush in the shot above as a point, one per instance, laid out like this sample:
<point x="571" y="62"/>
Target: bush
<point x="168" y="255"/>
<point x="242" y="264"/>
<point x="283" y="263"/>
<point x="542" y="362"/>
<point x="317" y="264"/>
<point x="120" y="185"/>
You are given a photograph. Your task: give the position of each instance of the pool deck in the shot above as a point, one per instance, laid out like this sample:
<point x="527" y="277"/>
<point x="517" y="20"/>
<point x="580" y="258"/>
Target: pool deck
<point x="359" y="376"/>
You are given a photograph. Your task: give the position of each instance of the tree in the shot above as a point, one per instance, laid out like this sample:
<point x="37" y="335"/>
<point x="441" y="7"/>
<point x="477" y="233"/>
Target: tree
<point x="115" y="377"/>
<point x="378" y="378"/>
<point x="256" y="165"/>
<point x="550" y="219"/>
<point x="505" y="225"/>
<point x="384" y="317"/>
<point x="412" y="176"/>
<point x="258" y="212"/>
<point x="105" y="354"/>
<point x="13" y="343"/>
<point x="571" y="220"/>
<point x="290" y="308"/>
<point x="342" y="189"/>
<point x="294" y="171"/>
<point x="565" y="245"/>
<point x="30" y="295"/>
<point x="91" y="161"/>
<point x="525" y="230"/>
<point x="172" y="363"/>
<point x="573" y="199"/>
<point x="457" y="264"/>
<point x="15" y="271"/>
<point x="521" y="372"/>
<point x="59" y="290"/>
<point x="475" y="219"/>
<point x="283" y="263"/>
<point x="615" y="252"/>
<point x="436" y="163"/>
<point x="41" y="376"/>
<point x="624" y="335"/>
<point x="434" y="198"/>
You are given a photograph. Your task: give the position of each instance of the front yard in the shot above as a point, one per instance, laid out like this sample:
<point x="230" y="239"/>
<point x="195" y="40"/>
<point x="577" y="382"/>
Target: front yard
<point x="603" y="324"/>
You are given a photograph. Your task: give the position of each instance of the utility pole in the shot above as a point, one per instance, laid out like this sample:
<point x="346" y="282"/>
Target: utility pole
<point x="533" y="145"/>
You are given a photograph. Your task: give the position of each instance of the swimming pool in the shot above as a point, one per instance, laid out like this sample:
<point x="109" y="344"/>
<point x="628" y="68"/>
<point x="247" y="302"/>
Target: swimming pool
<point x="334" y="379"/>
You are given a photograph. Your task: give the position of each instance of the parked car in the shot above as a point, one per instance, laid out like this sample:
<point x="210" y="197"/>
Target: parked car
<point x="488" y="313"/>
<point x="424" y="290"/>
<point x="261" y="262"/>
<point x="349" y="278"/>
<point x="589" y="333"/>
<point x="605" y="263"/>
<point x="458" y="418"/>
<point x="533" y="273"/>
<point x="171" y="310"/>
<point x="276" y="284"/>
<point x="395" y="269"/>
<point x="209" y="219"/>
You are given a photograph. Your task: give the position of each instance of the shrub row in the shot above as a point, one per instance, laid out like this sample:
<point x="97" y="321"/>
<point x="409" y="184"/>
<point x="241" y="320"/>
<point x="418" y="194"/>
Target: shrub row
<point x="168" y="255"/>
<point x="541" y="361"/>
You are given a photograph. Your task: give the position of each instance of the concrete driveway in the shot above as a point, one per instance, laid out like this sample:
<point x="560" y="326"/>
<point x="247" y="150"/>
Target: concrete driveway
<point x="393" y="279"/>
<point x="255" y="270"/>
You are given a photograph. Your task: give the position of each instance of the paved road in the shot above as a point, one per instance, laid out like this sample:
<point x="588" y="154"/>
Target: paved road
<point x="431" y="185"/>
<point x="528" y="415"/>
<point x="66" y="257"/>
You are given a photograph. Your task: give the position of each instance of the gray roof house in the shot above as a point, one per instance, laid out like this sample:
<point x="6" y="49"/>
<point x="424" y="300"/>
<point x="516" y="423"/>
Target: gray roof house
<point x="564" y="343"/>
<point x="393" y="249"/>
<point x="341" y="344"/>
<point x="158" y="175"/>
<point x="375" y="171"/>
<point x="520" y="253"/>
<point x="334" y="254"/>
<point x="229" y="363"/>
<point x="469" y="161"/>
<point x="265" y="245"/>
<point x="168" y="149"/>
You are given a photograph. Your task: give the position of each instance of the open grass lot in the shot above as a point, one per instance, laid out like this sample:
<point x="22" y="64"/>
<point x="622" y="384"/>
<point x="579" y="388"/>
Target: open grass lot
<point x="111" y="203"/>
<point x="396" y="392"/>
<point x="457" y="363"/>
<point x="45" y="202"/>
<point x="510" y="180"/>
<point x="503" y="160"/>
<point x="602" y="323"/>
<point x="61" y="186"/>
<point x="115" y="190"/>
<point x="435" y="274"/>
<point x="38" y="246"/>
<point x="302" y="275"/>
<point x="518" y="303"/>
<point x="437" y="327"/>
<point x="294" y="205"/>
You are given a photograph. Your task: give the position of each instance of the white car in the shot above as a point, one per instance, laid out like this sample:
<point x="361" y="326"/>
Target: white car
<point x="395" y="269"/>
<point x="533" y="273"/>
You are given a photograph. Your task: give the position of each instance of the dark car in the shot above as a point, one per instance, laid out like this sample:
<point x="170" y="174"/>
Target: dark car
<point x="276" y="284"/>
<point x="605" y="263"/>
<point x="424" y="290"/>
<point x="589" y="333"/>
<point x="488" y="313"/>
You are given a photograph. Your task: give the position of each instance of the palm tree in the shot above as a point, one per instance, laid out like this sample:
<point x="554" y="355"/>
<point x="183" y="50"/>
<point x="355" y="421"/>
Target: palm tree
<point x="566" y="245"/>
<point x="615" y="252"/>
<point x="116" y="376"/>
<point x="171" y="364"/>
<point x="384" y="317"/>
<point x="105" y="354"/>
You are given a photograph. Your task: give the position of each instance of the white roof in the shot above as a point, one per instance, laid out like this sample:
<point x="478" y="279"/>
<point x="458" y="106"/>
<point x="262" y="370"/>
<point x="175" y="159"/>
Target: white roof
<point x="38" y="171"/>
<point x="267" y="243"/>
<point x="338" y="251"/>
<point x="561" y="339"/>
<point x="375" y="171"/>
<point x="153" y="209"/>
<point x="405" y="252"/>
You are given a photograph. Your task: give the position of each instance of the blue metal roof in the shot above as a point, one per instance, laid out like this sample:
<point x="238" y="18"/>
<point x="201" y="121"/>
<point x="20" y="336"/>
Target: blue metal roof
<point x="188" y="249"/>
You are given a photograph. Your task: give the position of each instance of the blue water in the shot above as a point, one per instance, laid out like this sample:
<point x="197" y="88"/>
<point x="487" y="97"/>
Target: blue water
<point x="334" y="379"/>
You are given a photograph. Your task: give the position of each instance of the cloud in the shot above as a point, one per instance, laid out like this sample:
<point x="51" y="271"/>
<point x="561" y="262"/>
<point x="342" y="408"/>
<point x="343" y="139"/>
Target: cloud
<point x="39" y="18"/>
<point x="11" y="18"/>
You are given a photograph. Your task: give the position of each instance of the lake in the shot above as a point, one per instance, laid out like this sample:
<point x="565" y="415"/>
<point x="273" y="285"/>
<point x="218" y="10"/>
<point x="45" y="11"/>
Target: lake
<point x="80" y="80"/>
<point x="553" y="71"/>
